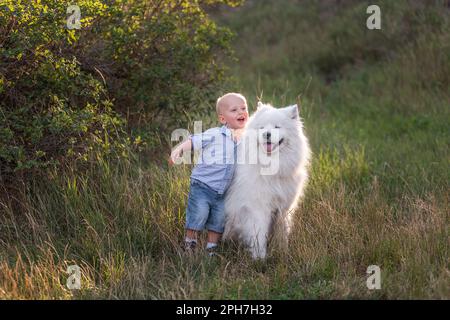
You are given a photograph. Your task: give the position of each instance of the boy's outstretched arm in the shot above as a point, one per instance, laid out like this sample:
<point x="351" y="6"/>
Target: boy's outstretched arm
<point x="179" y="150"/>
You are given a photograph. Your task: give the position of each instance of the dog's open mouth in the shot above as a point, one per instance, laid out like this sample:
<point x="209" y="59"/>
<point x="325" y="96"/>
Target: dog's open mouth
<point x="269" y="146"/>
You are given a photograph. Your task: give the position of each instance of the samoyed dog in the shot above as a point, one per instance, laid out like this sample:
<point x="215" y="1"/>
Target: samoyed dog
<point x="270" y="177"/>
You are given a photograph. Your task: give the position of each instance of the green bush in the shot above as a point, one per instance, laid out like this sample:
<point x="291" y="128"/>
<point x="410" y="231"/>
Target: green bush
<point x="159" y="59"/>
<point x="65" y="93"/>
<point x="50" y="110"/>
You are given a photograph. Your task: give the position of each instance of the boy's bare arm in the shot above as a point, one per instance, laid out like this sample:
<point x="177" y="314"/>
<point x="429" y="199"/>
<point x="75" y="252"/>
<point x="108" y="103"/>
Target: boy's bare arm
<point x="179" y="150"/>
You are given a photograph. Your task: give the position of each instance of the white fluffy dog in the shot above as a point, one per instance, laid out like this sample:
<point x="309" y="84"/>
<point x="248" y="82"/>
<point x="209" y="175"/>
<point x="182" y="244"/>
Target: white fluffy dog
<point x="264" y="192"/>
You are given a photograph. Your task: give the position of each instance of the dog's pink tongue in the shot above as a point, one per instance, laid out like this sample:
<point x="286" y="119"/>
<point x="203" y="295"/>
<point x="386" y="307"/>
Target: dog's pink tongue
<point x="269" y="147"/>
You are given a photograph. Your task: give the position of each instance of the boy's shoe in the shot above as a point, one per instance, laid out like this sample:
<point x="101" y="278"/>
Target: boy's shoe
<point x="189" y="246"/>
<point x="212" y="251"/>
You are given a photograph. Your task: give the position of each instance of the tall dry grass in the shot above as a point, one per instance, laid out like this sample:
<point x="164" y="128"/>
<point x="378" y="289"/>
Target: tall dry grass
<point x="123" y="228"/>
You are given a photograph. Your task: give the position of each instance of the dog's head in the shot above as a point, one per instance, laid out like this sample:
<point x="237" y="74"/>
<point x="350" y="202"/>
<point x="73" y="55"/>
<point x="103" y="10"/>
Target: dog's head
<point x="275" y="126"/>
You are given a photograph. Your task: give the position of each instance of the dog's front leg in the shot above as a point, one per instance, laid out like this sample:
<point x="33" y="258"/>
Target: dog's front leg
<point x="258" y="241"/>
<point x="286" y="223"/>
<point x="259" y="250"/>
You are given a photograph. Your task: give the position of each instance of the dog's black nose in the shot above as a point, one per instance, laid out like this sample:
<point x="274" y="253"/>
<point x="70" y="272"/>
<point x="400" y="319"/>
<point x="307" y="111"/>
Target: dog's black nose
<point x="266" y="135"/>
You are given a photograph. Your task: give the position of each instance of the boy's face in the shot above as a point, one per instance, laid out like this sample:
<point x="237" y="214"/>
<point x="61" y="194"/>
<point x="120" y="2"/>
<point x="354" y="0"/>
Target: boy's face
<point x="233" y="112"/>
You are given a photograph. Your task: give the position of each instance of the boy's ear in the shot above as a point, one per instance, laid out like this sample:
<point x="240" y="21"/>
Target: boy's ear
<point x="221" y="119"/>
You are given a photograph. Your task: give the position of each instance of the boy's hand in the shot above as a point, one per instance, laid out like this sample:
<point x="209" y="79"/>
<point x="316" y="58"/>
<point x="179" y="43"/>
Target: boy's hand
<point x="172" y="158"/>
<point x="179" y="151"/>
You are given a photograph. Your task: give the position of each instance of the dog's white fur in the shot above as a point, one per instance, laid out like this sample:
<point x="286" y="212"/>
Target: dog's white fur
<point x="256" y="205"/>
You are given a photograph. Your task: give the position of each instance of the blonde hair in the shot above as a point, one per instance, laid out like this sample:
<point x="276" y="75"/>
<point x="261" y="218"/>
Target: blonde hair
<point x="219" y="100"/>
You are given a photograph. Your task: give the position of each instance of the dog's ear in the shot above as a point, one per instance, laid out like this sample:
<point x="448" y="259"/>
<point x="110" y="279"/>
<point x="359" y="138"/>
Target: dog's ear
<point x="292" y="111"/>
<point x="259" y="105"/>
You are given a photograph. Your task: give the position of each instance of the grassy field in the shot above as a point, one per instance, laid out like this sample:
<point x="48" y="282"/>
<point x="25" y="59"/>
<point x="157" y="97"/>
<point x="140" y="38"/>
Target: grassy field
<point x="376" y="108"/>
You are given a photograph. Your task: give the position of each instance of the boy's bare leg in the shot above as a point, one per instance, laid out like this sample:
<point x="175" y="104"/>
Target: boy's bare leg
<point x="192" y="234"/>
<point x="213" y="237"/>
<point x="190" y="242"/>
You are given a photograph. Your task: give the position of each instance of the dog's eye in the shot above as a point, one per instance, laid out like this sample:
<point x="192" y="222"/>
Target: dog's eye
<point x="277" y="127"/>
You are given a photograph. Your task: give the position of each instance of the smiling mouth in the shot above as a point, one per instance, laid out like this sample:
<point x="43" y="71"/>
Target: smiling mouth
<point x="241" y="119"/>
<point x="269" y="147"/>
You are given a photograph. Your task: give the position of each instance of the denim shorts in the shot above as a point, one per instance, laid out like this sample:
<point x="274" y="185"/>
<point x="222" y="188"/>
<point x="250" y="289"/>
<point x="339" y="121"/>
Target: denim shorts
<point x="205" y="208"/>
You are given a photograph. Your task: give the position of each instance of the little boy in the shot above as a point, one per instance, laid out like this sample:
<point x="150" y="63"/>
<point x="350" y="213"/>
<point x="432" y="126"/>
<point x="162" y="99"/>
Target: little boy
<point x="210" y="179"/>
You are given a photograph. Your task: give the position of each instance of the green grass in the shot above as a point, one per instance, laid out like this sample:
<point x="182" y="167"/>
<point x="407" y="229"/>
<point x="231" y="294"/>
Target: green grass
<point x="376" y="110"/>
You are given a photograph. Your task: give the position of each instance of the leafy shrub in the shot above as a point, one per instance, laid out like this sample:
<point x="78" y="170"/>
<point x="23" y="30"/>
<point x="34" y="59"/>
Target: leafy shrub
<point x="65" y="93"/>
<point x="50" y="109"/>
